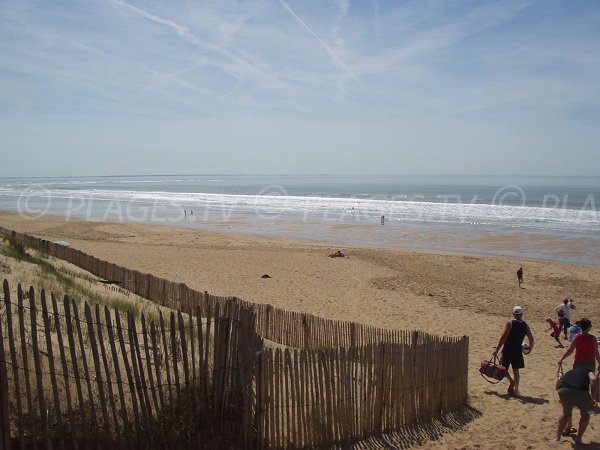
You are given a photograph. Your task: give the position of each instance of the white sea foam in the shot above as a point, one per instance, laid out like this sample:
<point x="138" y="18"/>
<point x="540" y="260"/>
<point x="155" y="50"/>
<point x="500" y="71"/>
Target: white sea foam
<point x="311" y="207"/>
<point x="457" y="210"/>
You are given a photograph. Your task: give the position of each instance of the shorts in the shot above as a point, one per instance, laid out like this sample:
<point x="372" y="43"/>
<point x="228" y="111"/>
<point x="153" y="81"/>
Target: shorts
<point x="564" y="323"/>
<point x="555" y="334"/>
<point x="589" y="364"/>
<point x="570" y="397"/>
<point x="514" y="359"/>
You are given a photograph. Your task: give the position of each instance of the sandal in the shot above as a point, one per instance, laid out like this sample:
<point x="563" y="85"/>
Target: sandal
<point x="569" y="431"/>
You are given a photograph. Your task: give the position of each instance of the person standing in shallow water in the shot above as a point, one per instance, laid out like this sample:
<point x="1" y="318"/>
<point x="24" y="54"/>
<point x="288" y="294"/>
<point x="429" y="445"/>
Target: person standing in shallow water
<point x="520" y="276"/>
<point x="512" y="351"/>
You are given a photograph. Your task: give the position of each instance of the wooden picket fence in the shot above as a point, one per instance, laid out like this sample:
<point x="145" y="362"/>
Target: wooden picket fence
<point x="334" y="382"/>
<point x="309" y="399"/>
<point x="96" y="379"/>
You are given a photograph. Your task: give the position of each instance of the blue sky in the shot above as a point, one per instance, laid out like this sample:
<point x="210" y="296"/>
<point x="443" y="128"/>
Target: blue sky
<point x="375" y="87"/>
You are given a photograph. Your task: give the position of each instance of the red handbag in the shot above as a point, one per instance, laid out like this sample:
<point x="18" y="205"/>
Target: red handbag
<point x="492" y="370"/>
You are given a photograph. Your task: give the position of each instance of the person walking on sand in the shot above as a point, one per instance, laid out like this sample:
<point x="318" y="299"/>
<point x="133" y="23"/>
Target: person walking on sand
<point x="555" y="330"/>
<point x="511" y="343"/>
<point x="520" y="276"/>
<point x="585" y="347"/>
<point x="563" y="311"/>
<point x="573" y="390"/>
<point x="382" y="220"/>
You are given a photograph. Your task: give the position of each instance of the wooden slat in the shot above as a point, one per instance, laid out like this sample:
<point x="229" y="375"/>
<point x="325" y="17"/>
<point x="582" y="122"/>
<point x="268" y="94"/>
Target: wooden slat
<point x="71" y="428"/>
<point x="261" y="401"/>
<point x="300" y="412"/>
<point x="184" y="350"/>
<point x="139" y="366"/>
<point x="14" y="362"/>
<point x="319" y="417"/>
<point x="157" y="368"/>
<point x="314" y="415"/>
<point x="4" y="410"/>
<point x="355" y="393"/>
<point x="369" y="412"/>
<point x="396" y="358"/>
<point x="174" y="353"/>
<point x="75" y="364"/>
<point x="279" y="405"/>
<point x="153" y="388"/>
<point x="218" y="373"/>
<point x="291" y="399"/>
<point x="149" y="363"/>
<point x="208" y="344"/>
<point x="325" y="376"/>
<point x="38" y="369"/>
<point x="52" y="369"/>
<point x="117" y="370"/>
<point x="130" y="380"/>
<point x="98" y="371"/>
<point x="140" y="384"/>
<point x="345" y="401"/>
<point x="165" y="341"/>
<point x="87" y="378"/>
<point x="107" y="373"/>
<point x="245" y="370"/>
<point x="270" y="383"/>
<point x="337" y="387"/>
<point x="193" y="366"/>
<point x="169" y="402"/>
<point x="25" y="356"/>
<point x="202" y="358"/>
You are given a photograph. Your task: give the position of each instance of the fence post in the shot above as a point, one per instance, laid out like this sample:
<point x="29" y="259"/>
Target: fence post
<point x="4" y="412"/>
<point x="13" y="355"/>
<point x="24" y="351"/>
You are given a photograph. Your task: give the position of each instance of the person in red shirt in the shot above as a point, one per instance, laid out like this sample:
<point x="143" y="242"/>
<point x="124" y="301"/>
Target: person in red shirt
<point x="585" y="347"/>
<point x="555" y="330"/>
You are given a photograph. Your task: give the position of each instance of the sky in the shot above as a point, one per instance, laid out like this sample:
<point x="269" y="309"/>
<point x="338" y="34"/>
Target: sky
<point x="115" y="87"/>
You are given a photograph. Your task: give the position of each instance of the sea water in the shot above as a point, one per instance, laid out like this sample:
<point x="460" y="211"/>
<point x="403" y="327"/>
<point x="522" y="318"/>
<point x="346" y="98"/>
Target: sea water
<point x="459" y="213"/>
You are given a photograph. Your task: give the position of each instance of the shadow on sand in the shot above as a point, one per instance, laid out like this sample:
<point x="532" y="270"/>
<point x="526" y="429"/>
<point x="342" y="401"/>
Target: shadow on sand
<point x="416" y="434"/>
<point x="521" y="398"/>
<point x="588" y="446"/>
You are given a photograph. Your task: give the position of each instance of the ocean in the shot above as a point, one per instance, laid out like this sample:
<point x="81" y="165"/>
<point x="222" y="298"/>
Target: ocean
<point x="539" y="217"/>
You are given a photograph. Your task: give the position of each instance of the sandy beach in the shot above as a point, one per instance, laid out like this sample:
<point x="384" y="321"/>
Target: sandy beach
<point x="443" y="293"/>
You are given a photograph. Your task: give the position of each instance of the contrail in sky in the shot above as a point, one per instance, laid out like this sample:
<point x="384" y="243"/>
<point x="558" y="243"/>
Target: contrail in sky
<point x="328" y="48"/>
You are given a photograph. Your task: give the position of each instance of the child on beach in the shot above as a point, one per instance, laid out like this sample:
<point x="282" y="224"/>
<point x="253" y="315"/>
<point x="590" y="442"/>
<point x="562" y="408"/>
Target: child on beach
<point x="555" y="330"/>
<point x="574" y="330"/>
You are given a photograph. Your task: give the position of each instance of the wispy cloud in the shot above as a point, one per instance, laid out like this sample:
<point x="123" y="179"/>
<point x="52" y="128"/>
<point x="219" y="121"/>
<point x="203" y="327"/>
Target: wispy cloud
<point x="369" y="67"/>
<point x="347" y="71"/>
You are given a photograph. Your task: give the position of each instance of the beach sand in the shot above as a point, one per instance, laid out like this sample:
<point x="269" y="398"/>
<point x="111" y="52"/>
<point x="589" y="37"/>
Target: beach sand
<point x="443" y="293"/>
